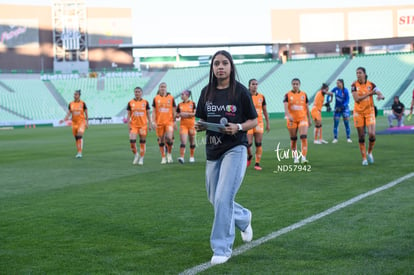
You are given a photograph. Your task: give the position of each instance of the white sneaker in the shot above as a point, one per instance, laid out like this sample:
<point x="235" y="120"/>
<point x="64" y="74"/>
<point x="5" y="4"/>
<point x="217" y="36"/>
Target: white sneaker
<point x="296" y="160"/>
<point x="370" y="158"/>
<point x="191" y="160"/>
<point x="349" y="140"/>
<point x="163" y="160"/>
<point x="219" y="259"/>
<point x="141" y="161"/>
<point x="322" y="141"/>
<point x="135" y="159"/>
<point x="316" y="142"/>
<point x="78" y="155"/>
<point x="247" y="234"/>
<point x="169" y="158"/>
<point x="335" y="140"/>
<point x="364" y="162"/>
<point x="304" y="160"/>
<point x="181" y="160"/>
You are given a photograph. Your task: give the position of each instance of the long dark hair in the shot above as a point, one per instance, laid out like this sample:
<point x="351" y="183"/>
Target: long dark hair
<point x="212" y="82"/>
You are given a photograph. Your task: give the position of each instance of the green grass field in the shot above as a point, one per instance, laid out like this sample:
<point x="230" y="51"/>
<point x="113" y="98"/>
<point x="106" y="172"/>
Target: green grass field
<point x="102" y="215"/>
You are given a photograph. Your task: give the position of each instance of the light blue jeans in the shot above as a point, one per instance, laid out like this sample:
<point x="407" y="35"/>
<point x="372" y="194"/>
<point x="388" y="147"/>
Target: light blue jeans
<point x="400" y="121"/>
<point x="223" y="179"/>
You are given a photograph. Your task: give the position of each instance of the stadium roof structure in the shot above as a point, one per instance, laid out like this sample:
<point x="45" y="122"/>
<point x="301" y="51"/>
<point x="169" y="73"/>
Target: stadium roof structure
<point x="212" y="45"/>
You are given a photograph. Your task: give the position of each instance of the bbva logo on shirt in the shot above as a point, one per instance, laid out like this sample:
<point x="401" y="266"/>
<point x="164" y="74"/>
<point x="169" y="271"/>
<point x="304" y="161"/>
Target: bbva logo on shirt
<point x="220" y="108"/>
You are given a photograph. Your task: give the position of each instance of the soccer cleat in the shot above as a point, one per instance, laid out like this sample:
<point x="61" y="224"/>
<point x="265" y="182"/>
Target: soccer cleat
<point x="163" y="160"/>
<point x="364" y="162"/>
<point x="78" y="155"/>
<point x="141" y="161"/>
<point x="316" y="142"/>
<point x="257" y="167"/>
<point x="247" y="234"/>
<point x="349" y="140"/>
<point x="335" y="140"/>
<point x="249" y="160"/>
<point x="181" y="160"/>
<point x="136" y="158"/>
<point x="304" y="160"/>
<point x="169" y="158"/>
<point x="191" y="160"/>
<point x="370" y="158"/>
<point x="219" y="259"/>
<point x="296" y="160"/>
<point x="322" y="141"/>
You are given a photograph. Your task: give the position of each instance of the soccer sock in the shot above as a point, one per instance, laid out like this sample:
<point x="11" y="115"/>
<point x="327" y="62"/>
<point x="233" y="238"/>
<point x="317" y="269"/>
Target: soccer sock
<point x="315" y="133"/>
<point x="318" y="132"/>
<point x="182" y="150"/>
<point x="335" y="129"/>
<point x="362" y="148"/>
<point x="371" y="145"/>
<point x="162" y="150"/>
<point x="347" y="128"/>
<point x="133" y="143"/>
<point x="79" y="143"/>
<point x="142" y="148"/>
<point x="192" y="150"/>
<point x="259" y="151"/>
<point x="249" y="150"/>
<point x="304" y="144"/>
<point x="293" y="141"/>
<point x="169" y="147"/>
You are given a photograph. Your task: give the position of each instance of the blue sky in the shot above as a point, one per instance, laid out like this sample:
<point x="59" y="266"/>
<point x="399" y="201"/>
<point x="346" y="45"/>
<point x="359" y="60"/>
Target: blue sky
<point x="211" y="21"/>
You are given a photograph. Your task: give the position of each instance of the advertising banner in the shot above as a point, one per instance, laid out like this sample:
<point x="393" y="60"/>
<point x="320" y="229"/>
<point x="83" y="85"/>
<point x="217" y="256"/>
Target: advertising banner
<point x="16" y="33"/>
<point x="405" y="22"/>
<point x="109" y="32"/>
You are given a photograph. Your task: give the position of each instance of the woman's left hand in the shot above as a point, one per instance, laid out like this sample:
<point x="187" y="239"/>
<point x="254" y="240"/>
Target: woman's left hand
<point x="231" y="129"/>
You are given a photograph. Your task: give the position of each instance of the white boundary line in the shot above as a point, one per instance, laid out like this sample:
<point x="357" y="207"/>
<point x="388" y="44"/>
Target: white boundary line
<point x="273" y="235"/>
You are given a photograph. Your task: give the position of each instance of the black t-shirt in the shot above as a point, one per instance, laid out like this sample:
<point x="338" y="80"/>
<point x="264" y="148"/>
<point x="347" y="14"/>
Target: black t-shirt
<point x="238" y="111"/>
<point x="398" y="107"/>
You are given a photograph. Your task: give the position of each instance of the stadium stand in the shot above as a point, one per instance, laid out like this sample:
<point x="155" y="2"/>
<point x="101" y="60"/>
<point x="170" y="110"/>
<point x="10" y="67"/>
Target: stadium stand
<point x="6" y="115"/>
<point x="387" y="71"/>
<point x="106" y="102"/>
<point x="29" y="99"/>
<point x="107" y="95"/>
<point x="311" y="72"/>
<point x="407" y="96"/>
<point x="247" y="71"/>
<point x="179" y="79"/>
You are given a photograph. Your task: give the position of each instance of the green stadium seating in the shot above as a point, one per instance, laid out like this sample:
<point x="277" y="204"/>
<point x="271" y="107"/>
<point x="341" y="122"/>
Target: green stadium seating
<point x="108" y="96"/>
<point x="30" y="99"/>
<point x="386" y="71"/>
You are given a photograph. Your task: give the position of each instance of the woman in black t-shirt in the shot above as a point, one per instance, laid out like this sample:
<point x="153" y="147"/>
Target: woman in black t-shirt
<point x="226" y="102"/>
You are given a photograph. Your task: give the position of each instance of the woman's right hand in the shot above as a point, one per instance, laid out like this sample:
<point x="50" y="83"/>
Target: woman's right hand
<point x="199" y="127"/>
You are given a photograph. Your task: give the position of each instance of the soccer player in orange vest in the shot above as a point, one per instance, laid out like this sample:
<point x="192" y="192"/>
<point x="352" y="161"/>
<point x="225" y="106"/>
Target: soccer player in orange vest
<point x="77" y="108"/>
<point x="259" y="102"/>
<point x="298" y="119"/>
<point x="186" y="111"/>
<point x="364" y="112"/>
<point x="163" y="121"/>
<point x="138" y="117"/>
<point x="317" y="113"/>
